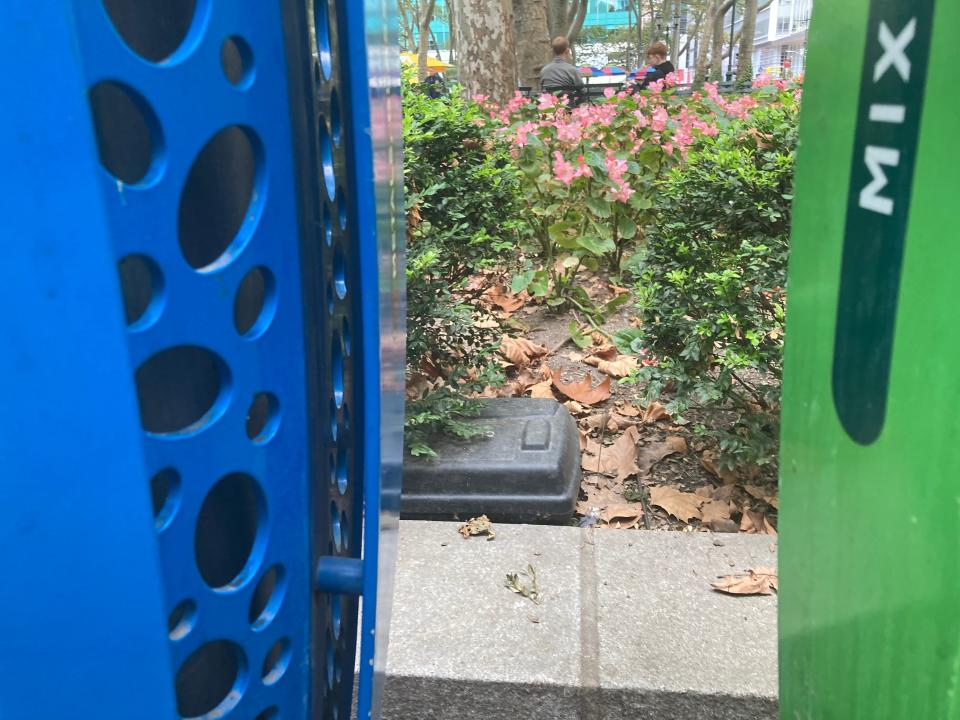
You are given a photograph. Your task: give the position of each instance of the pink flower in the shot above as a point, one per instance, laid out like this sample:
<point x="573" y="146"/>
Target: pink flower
<point x="562" y="170"/>
<point x="609" y="92"/>
<point x="668" y="148"/>
<point x="615" y="167"/>
<point x="547" y="101"/>
<point x="658" y="122"/>
<point x="623" y="193"/>
<point x="569" y="133"/>
<point x="523" y="131"/>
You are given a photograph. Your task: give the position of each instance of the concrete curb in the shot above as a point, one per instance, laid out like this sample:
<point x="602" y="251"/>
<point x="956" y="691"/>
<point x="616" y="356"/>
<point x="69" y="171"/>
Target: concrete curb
<point x="628" y="627"/>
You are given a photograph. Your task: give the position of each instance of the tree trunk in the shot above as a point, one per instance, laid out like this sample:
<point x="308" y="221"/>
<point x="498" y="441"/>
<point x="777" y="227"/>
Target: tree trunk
<point x="487" y="56"/>
<point x="423" y="22"/>
<point x="577" y="16"/>
<point x="716" y="51"/>
<point x="408" y="18"/>
<point x="706" y="34"/>
<point x="747" y="34"/>
<point x="451" y="24"/>
<point x="530" y="24"/>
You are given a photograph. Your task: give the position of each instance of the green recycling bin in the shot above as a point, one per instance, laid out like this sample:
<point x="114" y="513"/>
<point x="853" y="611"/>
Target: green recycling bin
<point x="870" y="521"/>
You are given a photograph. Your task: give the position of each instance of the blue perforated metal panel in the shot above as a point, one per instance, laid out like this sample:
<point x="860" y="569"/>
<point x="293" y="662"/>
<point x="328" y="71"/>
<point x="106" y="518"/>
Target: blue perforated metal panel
<point x="238" y="186"/>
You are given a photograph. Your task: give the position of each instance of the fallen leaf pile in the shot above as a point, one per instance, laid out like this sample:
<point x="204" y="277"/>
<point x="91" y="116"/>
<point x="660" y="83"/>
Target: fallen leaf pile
<point x="760" y="581"/>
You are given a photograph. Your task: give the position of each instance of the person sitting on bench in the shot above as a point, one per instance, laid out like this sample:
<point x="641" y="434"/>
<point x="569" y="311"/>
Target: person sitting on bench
<point x="560" y="76"/>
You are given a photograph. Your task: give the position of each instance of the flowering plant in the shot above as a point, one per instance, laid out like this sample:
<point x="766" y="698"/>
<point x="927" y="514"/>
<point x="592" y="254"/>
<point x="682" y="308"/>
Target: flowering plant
<point x="589" y="174"/>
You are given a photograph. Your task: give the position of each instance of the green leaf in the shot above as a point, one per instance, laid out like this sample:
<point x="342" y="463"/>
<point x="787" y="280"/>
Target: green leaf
<point x="521" y="281"/>
<point x="627" y="228"/>
<point x="540" y="283"/>
<point x="596" y="245"/>
<point x="581" y="340"/>
<point x="600" y="207"/>
<point x="422" y="450"/>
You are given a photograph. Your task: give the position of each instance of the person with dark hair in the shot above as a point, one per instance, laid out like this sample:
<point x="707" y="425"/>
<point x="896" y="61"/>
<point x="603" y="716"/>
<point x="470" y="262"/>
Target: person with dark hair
<point x="658" y="67"/>
<point x="436" y="85"/>
<point x="560" y="76"/>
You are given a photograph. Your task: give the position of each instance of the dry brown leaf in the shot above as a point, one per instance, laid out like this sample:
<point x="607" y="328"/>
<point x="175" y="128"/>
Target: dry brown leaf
<point x="655" y="411"/>
<point x="628" y="410"/>
<point x="621" y="367"/>
<point x="650" y="455"/>
<point x="617" y="290"/>
<point x="714" y="511"/>
<point x="709" y="461"/>
<point x="478" y="526"/>
<point x="505" y="300"/>
<point x="723" y="526"/>
<point x="542" y="390"/>
<point x="596" y="421"/>
<point x="618" y="459"/>
<point x="704" y="491"/>
<point x="575" y="408"/>
<point x="599" y="497"/>
<point x="584" y="391"/>
<point x="765" y="494"/>
<point x="521" y="351"/>
<point x="599" y="339"/>
<point x="575" y="357"/>
<point x="623" y="515"/>
<point x="756" y="523"/>
<point x="604" y="351"/>
<point x="683" y="506"/>
<point x="583" y="439"/>
<point x="761" y="581"/>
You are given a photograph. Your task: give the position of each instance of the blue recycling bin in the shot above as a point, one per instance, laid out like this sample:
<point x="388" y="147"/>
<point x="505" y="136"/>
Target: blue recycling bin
<point x="202" y="365"/>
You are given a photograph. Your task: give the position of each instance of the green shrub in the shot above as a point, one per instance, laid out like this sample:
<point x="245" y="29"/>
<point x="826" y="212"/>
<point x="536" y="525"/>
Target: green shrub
<point x="711" y="291"/>
<point x="462" y="200"/>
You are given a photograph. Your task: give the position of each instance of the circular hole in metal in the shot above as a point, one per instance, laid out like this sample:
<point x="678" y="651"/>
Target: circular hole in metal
<point x="210" y="679"/>
<point x="344" y="530"/>
<point x="327" y="228"/>
<point x="330" y="660"/>
<point x="330" y="301"/>
<point x="236" y="59"/>
<point x="339" y="272"/>
<point x="267" y="597"/>
<point x="165" y="494"/>
<point x="271" y="713"/>
<point x="336" y="128"/>
<point x="342" y="210"/>
<point x="181" y="390"/>
<point x="220" y="203"/>
<point x="335" y="616"/>
<point x="335" y="527"/>
<point x="127" y="131"/>
<point x="326" y="162"/>
<point x="255" y="303"/>
<point x="345" y="335"/>
<point x="263" y="417"/>
<point x="181" y="620"/>
<point x="227" y="531"/>
<point x="153" y="29"/>
<point x="321" y="23"/>
<point x="141" y="284"/>
<point x="345" y="411"/>
<point x="333" y="421"/>
<point x="336" y="368"/>
<point x="342" y="473"/>
<point x="276" y="662"/>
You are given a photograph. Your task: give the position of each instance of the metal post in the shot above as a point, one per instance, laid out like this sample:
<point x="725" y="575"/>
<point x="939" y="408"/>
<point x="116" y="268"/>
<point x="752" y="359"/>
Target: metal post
<point x="733" y="23"/>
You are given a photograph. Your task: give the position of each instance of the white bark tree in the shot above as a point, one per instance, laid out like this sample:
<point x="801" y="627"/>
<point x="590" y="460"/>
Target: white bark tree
<point x="486" y="50"/>
<point x="533" y="36"/>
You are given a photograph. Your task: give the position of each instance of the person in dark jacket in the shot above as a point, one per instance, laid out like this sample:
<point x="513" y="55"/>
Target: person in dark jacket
<point x="560" y="76"/>
<point x="658" y="67"/>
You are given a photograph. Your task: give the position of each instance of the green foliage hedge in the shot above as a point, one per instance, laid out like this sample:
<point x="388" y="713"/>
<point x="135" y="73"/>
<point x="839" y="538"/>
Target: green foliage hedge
<point x="711" y="291"/>
<point x="463" y="209"/>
